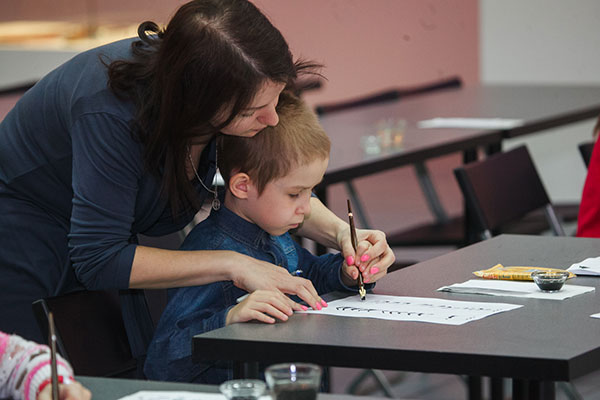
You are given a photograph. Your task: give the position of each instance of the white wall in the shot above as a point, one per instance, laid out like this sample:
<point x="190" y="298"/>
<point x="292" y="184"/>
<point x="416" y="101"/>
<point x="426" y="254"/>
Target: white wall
<point x="545" y="42"/>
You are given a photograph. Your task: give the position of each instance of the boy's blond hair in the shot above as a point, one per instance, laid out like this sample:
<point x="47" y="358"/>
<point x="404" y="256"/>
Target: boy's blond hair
<point x="298" y="139"/>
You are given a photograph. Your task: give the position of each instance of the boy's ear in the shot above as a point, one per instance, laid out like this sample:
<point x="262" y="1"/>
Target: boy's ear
<point x="239" y="185"/>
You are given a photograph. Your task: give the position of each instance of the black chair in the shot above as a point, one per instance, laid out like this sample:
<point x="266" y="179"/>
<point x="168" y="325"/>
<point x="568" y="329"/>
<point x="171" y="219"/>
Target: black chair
<point x="91" y="334"/>
<point x="502" y="189"/>
<point x="586" y="149"/>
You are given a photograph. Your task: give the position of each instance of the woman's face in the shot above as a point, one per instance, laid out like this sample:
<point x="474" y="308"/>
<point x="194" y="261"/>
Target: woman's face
<point x="260" y="113"/>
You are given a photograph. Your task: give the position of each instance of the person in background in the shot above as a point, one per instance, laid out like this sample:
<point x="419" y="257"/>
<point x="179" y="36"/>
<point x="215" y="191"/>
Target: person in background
<point x="267" y="194"/>
<point x="120" y="140"/>
<point x="25" y="372"/>
<point x="588" y="220"/>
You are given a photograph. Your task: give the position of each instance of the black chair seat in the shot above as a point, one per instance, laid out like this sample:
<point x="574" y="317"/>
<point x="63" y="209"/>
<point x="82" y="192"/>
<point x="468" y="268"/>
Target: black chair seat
<point x="91" y="333"/>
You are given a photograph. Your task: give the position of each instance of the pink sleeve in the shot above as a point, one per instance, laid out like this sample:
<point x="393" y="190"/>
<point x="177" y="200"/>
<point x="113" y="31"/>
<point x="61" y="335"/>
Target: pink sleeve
<point x="24" y="366"/>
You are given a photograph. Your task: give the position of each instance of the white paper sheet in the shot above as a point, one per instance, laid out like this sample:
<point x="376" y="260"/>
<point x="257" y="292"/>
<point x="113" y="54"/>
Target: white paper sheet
<point x="172" y="395"/>
<point x="495" y="287"/>
<point x="595" y="315"/>
<point x="473" y="123"/>
<point x="589" y="266"/>
<point x="419" y="309"/>
<point x="177" y="395"/>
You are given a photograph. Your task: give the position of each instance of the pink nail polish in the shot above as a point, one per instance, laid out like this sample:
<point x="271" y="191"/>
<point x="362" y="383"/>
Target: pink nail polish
<point x="304" y="308"/>
<point x="319" y="306"/>
<point x="364" y="257"/>
<point x="324" y="303"/>
<point x="366" y="280"/>
<point x="350" y="260"/>
<point x="374" y="270"/>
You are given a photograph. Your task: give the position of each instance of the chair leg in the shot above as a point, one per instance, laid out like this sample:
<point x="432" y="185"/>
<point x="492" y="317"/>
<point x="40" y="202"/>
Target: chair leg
<point x="380" y="379"/>
<point x="569" y="390"/>
<point x="359" y="211"/>
<point x="431" y="196"/>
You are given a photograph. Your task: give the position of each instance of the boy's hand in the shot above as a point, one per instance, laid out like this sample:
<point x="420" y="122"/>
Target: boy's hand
<point x="255" y="275"/>
<point x="263" y="306"/>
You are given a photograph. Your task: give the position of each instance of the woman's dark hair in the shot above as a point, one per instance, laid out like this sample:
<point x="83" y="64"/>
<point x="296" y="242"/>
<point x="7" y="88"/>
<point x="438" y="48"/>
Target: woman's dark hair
<point x="214" y="55"/>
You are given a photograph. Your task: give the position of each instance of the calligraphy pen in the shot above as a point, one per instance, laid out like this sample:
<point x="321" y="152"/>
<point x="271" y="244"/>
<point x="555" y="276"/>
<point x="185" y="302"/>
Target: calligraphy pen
<point x="361" y="285"/>
<point x="53" y="369"/>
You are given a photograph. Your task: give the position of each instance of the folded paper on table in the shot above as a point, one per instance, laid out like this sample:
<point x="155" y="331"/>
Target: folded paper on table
<point x="513" y="273"/>
<point x="416" y="309"/>
<point x="177" y="395"/>
<point x="528" y="290"/>
<point x="474" y="123"/>
<point x="589" y="266"/>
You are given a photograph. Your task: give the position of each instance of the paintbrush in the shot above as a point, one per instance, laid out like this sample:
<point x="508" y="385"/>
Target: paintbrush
<point x="361" y="285"/>
<point x="53" y="368"/>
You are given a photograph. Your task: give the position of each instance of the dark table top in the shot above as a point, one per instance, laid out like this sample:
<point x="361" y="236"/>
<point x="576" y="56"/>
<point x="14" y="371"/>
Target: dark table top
<point x="540" y="108"/>
<point x="544" y="340"/>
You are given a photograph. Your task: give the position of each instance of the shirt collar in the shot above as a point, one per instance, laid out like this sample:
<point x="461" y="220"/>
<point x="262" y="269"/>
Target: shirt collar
<point x="238" y="228"/>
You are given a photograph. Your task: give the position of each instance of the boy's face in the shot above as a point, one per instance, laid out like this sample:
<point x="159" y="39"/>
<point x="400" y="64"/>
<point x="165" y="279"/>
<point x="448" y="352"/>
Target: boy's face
<point x="285" y="202"/>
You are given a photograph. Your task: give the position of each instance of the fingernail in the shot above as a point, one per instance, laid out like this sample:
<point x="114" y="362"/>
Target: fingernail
<point x="374" y="270"/>
<point x="366" y="280"/>
<point x="319" y="306"/>
<point x="304" y="308"/>
<point x="350" y="260"/>
<point x="324" y="303"/>
<point x="364" y="257"/>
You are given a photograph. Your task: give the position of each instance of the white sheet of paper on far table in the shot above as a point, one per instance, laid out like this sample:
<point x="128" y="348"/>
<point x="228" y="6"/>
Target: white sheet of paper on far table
<point x="470" y="123"/>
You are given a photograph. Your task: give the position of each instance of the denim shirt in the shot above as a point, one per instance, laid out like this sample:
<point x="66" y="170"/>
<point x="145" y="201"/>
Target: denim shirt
<point x="197" y="309"/>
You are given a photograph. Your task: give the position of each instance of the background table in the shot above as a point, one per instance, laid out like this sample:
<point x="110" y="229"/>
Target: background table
<point x="539" y="107"/>
<point x="544" y="341"/>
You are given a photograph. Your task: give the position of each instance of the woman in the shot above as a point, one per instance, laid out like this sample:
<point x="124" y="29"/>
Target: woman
<point x="119" y="141"/>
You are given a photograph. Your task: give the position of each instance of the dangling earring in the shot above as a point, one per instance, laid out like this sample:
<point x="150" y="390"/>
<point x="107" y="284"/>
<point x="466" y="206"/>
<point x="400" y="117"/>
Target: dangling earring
<point x="216" y="203"/>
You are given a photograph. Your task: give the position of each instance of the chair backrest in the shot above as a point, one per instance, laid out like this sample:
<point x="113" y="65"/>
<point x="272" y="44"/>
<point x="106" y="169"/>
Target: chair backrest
<point x="502" y="189"/>
<point x="586" y="149"/>
<point x="388" y="95"/>
<point x="91" y="333"/>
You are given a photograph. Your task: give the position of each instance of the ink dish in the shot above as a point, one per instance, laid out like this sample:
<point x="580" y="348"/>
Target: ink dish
<point x="549" y="282"/>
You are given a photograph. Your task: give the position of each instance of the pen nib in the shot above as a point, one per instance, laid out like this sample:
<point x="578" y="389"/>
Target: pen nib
<point x="363" y="293"/>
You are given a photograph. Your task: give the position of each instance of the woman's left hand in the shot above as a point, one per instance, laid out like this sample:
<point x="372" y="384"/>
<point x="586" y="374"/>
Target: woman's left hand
<point x="373" y="256"/>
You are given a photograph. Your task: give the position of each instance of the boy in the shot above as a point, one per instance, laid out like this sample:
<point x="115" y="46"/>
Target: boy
<point x="267" y="194"/>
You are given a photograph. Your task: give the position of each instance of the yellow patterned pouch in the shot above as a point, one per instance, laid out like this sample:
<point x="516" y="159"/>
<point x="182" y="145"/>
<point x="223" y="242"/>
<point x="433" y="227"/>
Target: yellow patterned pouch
<point x="512" y="273"/>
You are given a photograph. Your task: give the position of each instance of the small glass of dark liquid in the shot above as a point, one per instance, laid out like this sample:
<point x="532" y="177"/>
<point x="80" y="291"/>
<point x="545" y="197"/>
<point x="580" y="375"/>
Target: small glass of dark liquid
<point x="549" y="282"/>
<point x="294" y="381"/>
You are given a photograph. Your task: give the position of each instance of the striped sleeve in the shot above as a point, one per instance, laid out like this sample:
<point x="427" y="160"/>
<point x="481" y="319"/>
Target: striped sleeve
<point x="25" y="366"/>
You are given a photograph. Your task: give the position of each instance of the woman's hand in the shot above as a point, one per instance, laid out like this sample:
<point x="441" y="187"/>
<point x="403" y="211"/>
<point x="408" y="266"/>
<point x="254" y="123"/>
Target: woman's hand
<point x="253" y="275"/>
<point x="263" y="306"/>
<point x="373" y="256"/>
<point x="71" y="391"/>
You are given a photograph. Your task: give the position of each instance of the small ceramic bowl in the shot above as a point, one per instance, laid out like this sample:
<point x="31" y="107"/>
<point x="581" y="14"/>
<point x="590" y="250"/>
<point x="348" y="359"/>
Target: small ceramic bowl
<point x="549" y="281"/>
<point x="243" y="389"/>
